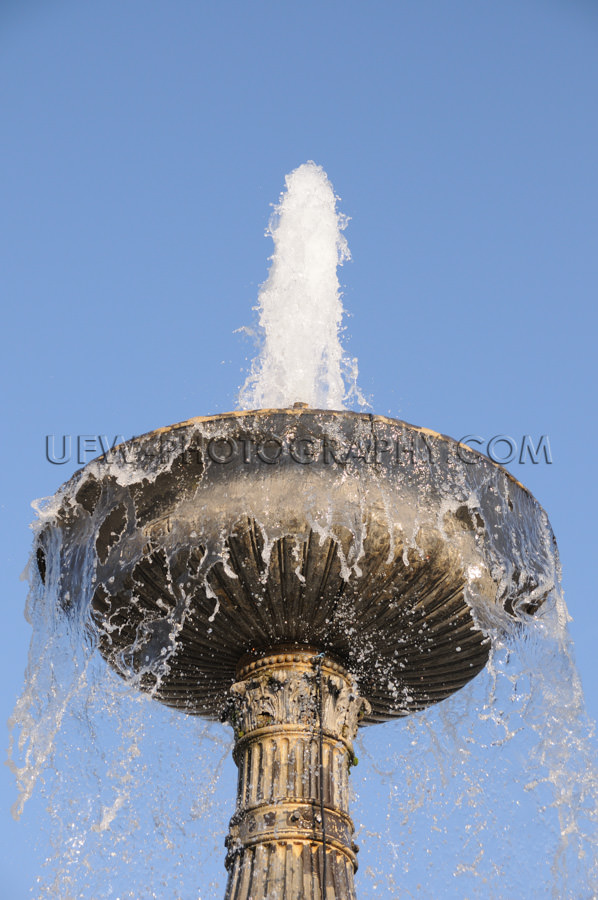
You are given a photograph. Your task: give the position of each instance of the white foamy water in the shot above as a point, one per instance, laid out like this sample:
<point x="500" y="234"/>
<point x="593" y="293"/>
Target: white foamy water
<point x="300" y="308"/>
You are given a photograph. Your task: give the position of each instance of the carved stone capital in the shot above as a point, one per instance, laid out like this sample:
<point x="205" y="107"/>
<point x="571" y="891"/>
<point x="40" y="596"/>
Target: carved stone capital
<point x="296" y="689"/>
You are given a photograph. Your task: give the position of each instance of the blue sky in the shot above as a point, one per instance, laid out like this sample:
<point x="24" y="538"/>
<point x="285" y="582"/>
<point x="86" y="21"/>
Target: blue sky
<point x="143" y="143"/>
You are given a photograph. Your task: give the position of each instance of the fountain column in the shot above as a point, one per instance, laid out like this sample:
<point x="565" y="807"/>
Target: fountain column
<point x="295" y="714"/>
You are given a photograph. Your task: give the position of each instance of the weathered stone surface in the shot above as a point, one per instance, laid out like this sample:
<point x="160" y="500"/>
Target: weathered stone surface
<point x="295" y="714"/>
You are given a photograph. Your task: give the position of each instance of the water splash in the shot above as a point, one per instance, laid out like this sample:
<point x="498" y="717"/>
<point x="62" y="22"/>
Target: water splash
<point x="300" y="308"/>
<point x="105" y="767"/>
<point x="490" y="792"/>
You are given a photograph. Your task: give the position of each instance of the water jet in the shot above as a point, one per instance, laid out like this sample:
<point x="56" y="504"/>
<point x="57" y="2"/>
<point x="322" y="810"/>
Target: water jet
<point x="296" y="569"/>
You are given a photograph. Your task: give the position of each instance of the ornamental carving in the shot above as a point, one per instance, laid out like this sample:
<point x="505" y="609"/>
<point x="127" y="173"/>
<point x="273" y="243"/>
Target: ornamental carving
<point x="298" y="690"/>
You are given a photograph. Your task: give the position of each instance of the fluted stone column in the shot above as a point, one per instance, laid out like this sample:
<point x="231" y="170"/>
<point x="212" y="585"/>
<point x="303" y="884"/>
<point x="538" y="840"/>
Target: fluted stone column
<point x="295" y="714"/>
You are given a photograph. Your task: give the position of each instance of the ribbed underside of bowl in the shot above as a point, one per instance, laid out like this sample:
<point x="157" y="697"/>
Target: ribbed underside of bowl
<point x="361" y="536"/>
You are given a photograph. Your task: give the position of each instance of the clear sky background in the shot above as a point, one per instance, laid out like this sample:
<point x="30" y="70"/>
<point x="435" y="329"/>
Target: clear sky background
<point x="142" y="145"/>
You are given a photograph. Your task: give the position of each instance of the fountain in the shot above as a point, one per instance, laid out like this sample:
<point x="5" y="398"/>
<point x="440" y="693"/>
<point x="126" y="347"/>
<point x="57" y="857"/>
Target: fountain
<point x="298" y="572"/>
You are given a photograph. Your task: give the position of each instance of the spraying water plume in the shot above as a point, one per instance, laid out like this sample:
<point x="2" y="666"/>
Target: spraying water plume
<point x="300" y="308"/>
<point x="192" y="559"/>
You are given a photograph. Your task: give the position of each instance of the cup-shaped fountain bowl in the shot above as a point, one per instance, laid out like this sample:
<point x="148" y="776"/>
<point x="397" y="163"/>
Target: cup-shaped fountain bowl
<point x="389" y="547"/>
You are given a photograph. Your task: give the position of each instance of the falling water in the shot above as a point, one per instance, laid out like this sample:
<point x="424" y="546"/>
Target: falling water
<point x="300" y="307"/>
<point x="491" y="794"/>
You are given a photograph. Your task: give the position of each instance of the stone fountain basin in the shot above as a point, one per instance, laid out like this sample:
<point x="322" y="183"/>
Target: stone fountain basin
<point x="393" y="549"/>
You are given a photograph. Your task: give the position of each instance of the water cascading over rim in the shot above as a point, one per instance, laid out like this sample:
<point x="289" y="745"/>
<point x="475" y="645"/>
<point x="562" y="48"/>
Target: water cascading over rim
<point x="298" y="573"/>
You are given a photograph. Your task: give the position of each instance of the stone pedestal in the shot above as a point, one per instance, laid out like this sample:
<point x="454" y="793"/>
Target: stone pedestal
<point x="295" y="714"/>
